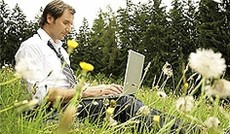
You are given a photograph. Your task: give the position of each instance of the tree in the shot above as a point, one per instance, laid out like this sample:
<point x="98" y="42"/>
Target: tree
<point x="4" y="17"/>
<point x="154" y="38"/>
<point x="180" y="35"/>
<point x="16" y="33"/>
<point x="84" y="51"/>
<point x="104" y="43"/>
<point x="213" y="27"/>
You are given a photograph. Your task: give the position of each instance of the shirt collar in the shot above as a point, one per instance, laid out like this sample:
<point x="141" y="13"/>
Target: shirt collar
<point x="45" y="37"/>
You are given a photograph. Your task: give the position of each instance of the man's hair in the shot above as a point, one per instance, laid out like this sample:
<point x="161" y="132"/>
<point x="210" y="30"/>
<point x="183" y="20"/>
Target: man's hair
<point x="55" y="9"/>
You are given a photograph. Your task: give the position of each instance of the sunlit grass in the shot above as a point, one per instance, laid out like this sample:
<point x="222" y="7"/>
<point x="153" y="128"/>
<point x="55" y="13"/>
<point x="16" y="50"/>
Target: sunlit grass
<point x="12" y="121"/>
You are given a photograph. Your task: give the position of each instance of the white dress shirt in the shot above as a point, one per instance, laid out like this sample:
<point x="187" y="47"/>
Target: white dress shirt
<point x="41" y="61"/>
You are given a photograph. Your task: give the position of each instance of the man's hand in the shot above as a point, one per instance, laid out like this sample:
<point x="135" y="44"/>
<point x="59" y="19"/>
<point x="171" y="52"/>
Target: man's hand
<point x="101" y="90"/>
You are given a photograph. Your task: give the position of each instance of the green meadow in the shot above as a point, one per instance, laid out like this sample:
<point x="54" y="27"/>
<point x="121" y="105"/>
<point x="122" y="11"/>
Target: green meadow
<point x="14" y="94"/>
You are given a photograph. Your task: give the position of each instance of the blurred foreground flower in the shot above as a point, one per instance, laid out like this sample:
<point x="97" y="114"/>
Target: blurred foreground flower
<point x="220" y="87"/>
<point x="185" y="104"/>
<point x="67" y="120"/>
<point x="212" y="122"/>
<point x="207" y="63"/>
<point x="72" y="44"/>
<point x="69" y="114"/>
<point x="27" y="72"/>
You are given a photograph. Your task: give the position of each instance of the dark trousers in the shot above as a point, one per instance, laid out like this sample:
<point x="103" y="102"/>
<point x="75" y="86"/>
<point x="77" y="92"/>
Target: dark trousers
<point x="127" y="108"/>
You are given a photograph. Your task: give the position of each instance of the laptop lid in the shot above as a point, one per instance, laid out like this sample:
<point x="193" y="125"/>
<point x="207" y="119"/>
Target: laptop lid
<point x="133" y="74"/>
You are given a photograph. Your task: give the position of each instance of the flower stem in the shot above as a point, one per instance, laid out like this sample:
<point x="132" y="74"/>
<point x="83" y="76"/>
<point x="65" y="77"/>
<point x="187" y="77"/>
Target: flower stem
<point x="198" y="85"/>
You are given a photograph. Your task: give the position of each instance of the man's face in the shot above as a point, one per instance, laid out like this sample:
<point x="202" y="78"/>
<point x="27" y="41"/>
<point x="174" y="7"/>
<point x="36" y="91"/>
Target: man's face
<point x="60" y="27"/>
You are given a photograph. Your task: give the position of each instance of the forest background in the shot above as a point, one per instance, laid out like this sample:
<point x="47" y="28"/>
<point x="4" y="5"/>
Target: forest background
<point x="161" y="35"/>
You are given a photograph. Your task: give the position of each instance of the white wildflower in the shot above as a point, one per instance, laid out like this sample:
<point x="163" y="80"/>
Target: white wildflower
<point x="185" y="104"/>
<point x="167" y="69"/>
<point x="144" y="110"/>
<point x="207" y="63"/>
<point x="27" y="72"/>
<point x="162" y="94"/>
<point x="212" y="122"/>
<point x="220" y="87"/>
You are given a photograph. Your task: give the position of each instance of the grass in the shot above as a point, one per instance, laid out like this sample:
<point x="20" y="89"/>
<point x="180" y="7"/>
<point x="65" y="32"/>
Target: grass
<point x="12" y="120"/>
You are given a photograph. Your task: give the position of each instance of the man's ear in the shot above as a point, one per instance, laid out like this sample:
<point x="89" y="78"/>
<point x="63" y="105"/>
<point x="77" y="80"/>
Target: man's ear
<point x="49" y="18"/>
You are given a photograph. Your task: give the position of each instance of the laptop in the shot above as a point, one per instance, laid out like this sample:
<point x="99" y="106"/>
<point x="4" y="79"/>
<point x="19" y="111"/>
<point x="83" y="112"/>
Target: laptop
<point x="133" y="75"/>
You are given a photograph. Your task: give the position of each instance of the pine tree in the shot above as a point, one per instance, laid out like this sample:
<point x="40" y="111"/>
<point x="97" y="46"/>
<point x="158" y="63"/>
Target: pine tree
<point x="16" y="33"/>
<point x="84" y="51"/>
<point x="4" y="17"/>
<point x="155" y="38"/>
<point x="213" y="26"/>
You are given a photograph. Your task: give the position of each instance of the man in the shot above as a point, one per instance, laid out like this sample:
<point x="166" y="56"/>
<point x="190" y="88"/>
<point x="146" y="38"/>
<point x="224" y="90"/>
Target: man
<point x="44" y="55"/>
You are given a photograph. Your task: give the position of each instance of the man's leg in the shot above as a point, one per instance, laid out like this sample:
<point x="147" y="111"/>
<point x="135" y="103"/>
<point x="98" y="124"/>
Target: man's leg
<point x="127" y="108"/>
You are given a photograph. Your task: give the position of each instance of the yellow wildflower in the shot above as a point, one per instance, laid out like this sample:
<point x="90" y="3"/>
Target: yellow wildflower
<point x="86" y="66"/>
<point x="156" y="118"/>
<point x="110" y="111"/>
<point x="186" y="85"/>
<point x="72" y="44"/>
<point x="113" y="103"/>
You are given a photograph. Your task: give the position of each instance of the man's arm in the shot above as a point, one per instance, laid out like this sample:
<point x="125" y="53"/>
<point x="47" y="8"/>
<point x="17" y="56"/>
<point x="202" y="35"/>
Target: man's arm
<point x="64" y="94"/>
<point x="67" y="95"/>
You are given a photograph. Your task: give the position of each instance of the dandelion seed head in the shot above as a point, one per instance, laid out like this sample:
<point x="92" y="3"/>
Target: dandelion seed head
<point x="144" y="110"/>
<point x="207" y="63"/>
<point x="212" y="122"/>
<point x="185" y="104"/>
<point x="167" y="69"/>
<point x="220" y="87"/>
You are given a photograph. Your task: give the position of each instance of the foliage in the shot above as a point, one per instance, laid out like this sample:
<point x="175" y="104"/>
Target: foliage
<point x="161" y="35"/>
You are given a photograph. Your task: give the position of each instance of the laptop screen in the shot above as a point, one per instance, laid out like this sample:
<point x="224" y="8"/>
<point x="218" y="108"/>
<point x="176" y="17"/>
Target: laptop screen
<point x="133" y="72"/>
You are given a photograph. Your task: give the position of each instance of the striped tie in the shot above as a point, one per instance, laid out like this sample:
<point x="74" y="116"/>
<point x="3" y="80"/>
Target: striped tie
<point x="67" y="71"/>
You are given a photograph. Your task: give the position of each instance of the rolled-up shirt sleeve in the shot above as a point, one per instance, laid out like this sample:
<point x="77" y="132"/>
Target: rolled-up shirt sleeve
<point x="29" y="65"/>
